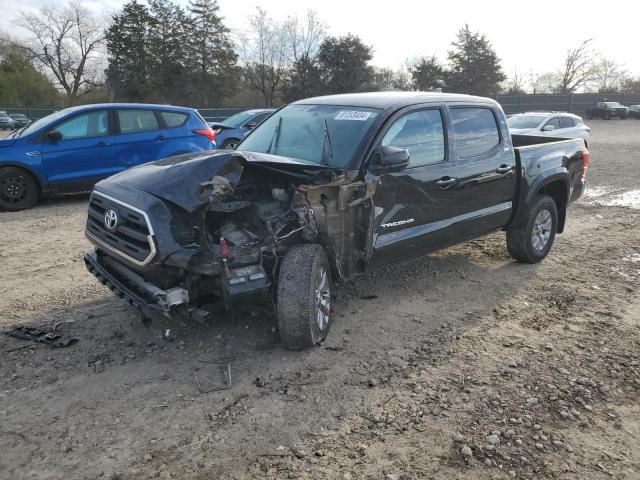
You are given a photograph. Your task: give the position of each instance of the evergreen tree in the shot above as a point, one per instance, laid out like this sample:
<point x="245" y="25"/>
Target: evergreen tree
<point x="21" y="84"/>
<point x="128" y="70"/>
<point x="474" y="66"/>
<point x="427" y="73"/>
<point x="344" y="62"/>
<point x="212" y="55"/>
<point x="303" y="80"/>
<point x="169" y="39"/>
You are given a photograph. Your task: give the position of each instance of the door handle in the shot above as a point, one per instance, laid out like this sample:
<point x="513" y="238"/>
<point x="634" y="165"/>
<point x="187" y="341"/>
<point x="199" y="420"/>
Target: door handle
<point x="161" y="137"/>
<point x="446" y="182"/>
<point x="102" y="144"/>
<point x="504" y="169"/>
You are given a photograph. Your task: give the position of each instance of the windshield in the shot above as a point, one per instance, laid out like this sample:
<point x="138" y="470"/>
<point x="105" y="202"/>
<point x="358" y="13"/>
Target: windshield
<point x="238" y="119"/>
<point x="318" y="134"/>
<point x="43" y="122"/>
<point x="612" y="104"/>
<point x="525" y="121"/>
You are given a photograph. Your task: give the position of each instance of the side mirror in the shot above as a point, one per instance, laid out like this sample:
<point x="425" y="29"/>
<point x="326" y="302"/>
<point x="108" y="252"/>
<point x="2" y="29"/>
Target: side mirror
<point x="54" y="136"/>
<point x="548" y="128"/>
<point x="394" y="159"/>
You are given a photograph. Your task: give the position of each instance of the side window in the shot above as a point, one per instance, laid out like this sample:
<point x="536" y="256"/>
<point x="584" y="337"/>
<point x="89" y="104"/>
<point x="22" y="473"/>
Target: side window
<point x="174" y="119"/>
<point x="566" y="122"/>
<point x="132" y="121"/>
<point x="475" y="131"/>
<point x="85" y="125"/>
<point x="554" y="121"/>
<point x="422" y="133"/>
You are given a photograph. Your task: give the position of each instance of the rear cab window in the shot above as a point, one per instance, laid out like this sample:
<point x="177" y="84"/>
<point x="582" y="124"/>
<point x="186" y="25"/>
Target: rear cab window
<point x="475" y="131"/>
<point x="135" y="121"/>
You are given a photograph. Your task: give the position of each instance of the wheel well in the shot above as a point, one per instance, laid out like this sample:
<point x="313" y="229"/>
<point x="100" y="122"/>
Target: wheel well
<point x="39" y="184"/>
<point x="558" y="191"/>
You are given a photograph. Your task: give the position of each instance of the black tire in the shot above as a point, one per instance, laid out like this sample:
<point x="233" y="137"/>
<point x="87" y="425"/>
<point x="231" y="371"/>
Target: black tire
<point x="299" y="291"/>
<point x="19" y="190"/>
<point x="230" y="144"/>
<point x="522" y="243"/>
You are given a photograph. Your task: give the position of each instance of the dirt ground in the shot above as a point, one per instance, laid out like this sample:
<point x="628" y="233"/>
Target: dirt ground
<point x="459" y="365"/>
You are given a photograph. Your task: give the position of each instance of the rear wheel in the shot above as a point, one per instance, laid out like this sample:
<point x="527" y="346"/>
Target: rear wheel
<point x="18" y="189"/>
<point x="304" y="297"/>
<point x="531" y="241"/>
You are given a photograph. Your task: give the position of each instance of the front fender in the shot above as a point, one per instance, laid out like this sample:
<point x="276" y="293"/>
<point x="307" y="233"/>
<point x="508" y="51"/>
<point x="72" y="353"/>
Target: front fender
<point x="35" y="169"/>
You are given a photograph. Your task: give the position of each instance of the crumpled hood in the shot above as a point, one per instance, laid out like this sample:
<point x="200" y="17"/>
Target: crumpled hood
<point x="195" y="179"/>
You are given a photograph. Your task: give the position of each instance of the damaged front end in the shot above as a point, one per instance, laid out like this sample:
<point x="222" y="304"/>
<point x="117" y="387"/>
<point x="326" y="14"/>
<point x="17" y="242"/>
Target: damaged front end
<point x="185" y="235"/>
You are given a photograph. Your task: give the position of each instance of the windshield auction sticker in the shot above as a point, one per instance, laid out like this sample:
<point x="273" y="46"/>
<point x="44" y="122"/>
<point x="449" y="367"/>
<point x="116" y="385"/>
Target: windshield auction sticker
<point x="353" y="115"/>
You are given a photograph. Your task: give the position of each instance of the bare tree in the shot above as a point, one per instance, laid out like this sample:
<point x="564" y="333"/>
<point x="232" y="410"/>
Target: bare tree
<point x="305" y="37"/>
<point x="579" y="66"/>
<point x="67" y="43"/>
<point x="264" y="54"/>
<point x="515" y="84"/>
<point x="543" y="82"/>
<point x="608" y="76"/>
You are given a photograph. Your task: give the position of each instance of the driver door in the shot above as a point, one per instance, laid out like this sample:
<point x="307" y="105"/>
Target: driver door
<point x="84" y="154"/>
<point x="412" y="206"/>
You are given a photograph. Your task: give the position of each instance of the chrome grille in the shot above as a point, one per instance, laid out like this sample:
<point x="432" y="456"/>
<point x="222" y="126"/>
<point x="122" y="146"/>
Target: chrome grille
<point x="132" y="237"/>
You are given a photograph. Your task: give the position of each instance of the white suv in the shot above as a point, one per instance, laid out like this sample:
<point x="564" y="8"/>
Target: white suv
<point x="549" y="124"/>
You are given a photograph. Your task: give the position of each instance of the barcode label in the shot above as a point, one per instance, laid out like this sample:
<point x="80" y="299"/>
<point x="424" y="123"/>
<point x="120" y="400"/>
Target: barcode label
<point x="353" y="115"/>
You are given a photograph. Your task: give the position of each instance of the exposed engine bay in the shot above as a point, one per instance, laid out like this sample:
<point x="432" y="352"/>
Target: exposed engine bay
<point x="229" y="230"/>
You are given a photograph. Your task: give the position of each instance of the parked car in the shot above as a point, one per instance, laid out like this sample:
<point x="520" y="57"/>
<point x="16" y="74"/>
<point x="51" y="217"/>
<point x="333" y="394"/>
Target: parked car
<point x="328" y="187"/>
<point x="634" y="111"/>
<point x="70" y="150"/>
<point x="549" y="124"/>
<point x="233" y="129"/>
<point x="20" y="120"/>
<point x="608" y="110"/>
<point x="6" y="122"/>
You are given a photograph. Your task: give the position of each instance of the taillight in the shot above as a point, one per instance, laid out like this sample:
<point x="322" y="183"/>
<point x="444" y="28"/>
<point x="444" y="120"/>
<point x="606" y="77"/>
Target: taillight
<point x="207" y="132"/>
<point x="585" y="161"/>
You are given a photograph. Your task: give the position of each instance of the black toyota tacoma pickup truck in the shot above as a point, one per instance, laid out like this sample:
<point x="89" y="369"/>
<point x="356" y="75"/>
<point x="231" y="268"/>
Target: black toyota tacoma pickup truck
<point x="325" y="189"/>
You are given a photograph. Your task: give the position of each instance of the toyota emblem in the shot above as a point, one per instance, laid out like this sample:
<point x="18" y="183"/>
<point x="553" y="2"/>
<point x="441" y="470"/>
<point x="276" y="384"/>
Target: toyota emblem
<point x="111" y="220"/>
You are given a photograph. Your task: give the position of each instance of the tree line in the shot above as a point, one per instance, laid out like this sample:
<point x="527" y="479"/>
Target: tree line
<point x="159" y="51"/>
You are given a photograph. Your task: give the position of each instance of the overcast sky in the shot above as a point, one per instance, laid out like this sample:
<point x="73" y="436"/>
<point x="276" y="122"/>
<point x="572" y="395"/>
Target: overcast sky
<point x="532" y="35"/>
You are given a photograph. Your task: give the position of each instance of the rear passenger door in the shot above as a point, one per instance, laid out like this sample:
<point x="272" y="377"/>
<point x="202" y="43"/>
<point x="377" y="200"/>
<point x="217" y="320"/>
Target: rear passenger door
<point x="567" y="128"/>
<point x="484" y="171"/>
<point x="140" y="138"/>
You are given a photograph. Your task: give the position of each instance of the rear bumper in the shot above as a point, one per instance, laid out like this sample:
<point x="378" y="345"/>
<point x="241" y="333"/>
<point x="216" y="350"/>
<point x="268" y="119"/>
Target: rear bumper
<point x="578" y="189"/>
<point x="152" y="301"/>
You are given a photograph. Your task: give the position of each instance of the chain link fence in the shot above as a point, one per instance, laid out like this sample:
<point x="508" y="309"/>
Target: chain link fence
<point x="572" y="102"/>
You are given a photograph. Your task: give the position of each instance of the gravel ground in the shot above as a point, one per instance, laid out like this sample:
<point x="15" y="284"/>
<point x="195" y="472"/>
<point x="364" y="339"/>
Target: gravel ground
<point x="462" y="364"/>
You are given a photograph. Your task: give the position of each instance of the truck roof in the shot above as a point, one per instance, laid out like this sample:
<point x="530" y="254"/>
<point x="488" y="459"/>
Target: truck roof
<point x="391" y="100"/>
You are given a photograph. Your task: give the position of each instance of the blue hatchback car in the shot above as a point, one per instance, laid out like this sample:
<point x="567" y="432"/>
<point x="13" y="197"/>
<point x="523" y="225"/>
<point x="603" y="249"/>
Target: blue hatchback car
<point x="70" y="150"/>
<point x="230" y="131"/>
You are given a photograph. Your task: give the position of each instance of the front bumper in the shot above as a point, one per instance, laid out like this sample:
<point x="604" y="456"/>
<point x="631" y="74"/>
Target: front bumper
<point x="153" y="302"/>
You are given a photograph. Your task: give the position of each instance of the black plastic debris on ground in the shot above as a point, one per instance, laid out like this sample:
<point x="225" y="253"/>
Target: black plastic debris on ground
<point x="40" y="335"/>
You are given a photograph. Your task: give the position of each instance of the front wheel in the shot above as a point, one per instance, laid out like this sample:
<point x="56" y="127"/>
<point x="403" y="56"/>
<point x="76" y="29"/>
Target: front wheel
<point x="304" y="297"/>
<point x="531" y="241"/>
<point x="18" y="189"/>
